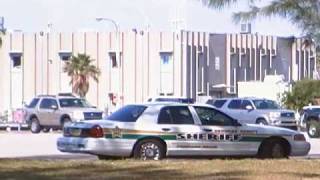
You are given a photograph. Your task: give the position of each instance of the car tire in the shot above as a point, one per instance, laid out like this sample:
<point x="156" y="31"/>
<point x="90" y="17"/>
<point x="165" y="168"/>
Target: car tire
<point x="273" y="149"/>
<point x="65" y="121"/>
<point x="35" y="125"/>
<point x="149" y="149"/>
<point x="45" y="130"/>
<point x="261" y="121"/>
<point x="313" y="128"/>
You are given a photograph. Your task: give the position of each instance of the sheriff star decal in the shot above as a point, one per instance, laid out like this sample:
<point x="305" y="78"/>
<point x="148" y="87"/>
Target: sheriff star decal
<point x="116" y="132"/>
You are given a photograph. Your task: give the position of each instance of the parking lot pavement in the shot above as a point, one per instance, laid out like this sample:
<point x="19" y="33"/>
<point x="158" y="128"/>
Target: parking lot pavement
<point x="43" y="146"/>
<point x="26" y="144"/>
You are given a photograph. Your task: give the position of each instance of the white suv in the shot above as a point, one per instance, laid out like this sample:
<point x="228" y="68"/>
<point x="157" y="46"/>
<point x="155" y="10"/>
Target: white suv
<point x="257" y="111"/>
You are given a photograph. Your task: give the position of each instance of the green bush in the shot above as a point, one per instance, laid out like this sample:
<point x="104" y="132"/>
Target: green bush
<point x="303" y="93"/>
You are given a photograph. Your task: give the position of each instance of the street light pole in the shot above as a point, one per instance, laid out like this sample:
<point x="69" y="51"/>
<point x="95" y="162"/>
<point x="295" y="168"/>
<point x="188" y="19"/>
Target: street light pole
<point x="117" y="50"/>
<point x="116" y="25"/>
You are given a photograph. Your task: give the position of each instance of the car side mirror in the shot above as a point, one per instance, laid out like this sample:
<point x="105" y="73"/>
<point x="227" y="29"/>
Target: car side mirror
<point x="54" y="107"/>
<point x="249" y="108"/>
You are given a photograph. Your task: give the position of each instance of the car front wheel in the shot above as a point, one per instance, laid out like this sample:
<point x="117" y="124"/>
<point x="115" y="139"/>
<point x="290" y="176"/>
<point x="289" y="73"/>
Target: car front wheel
<point x="313" y="129"/>
<point x="149" y="149"/>
<point x="35" y="125"/>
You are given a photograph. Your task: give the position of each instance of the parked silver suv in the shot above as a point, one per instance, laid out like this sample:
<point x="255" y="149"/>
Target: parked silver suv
<point x="48" y="111"/>
<point x="257" y="111"/>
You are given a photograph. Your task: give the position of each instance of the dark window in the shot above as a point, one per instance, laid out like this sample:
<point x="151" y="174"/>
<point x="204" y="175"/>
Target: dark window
<point x="129" y="113"/>
<point x="245" y="103"/>
<point x="235" y="104"/>
<point x="33" y="103"/>
<point x="219" y="103"/>
<point x="65" y="58"/>
<point x="175" y="115"/>
<point x="209" y="116"/>
<point x="48" y="103"/>
<point x="113" y="59"/>
<point x="16" y="61"/>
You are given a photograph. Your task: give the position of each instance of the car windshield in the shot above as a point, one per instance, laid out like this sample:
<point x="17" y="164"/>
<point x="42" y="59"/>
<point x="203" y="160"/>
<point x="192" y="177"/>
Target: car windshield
<point x="74" y="102"/>
<point x="265" y="104"/>
<point x="315" y="110"/>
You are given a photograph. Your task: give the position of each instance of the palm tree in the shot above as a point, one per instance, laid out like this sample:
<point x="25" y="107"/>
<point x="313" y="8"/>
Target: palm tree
<point x="304" y="14"/>
<point x="80" y="69"/>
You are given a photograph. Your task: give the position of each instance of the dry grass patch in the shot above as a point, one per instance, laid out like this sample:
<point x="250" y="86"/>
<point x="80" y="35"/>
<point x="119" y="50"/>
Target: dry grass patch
<point x="167" y="169"/>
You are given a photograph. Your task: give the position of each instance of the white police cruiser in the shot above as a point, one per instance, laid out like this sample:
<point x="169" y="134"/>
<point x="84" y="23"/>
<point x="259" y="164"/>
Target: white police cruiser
<point x="154" y="131"/>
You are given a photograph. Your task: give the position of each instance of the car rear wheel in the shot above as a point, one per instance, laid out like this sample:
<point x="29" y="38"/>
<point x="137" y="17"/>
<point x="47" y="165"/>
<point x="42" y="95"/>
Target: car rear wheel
<point x="261" y="121"/>
<point x="149" y="149"/>
<point x="313" y="129"/>
<point x="35" y="125"/>
<point x="273" y="149"/>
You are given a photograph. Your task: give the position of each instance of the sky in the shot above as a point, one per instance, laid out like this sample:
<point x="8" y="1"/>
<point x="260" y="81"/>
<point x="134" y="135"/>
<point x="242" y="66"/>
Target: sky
<point x="165" y="15"/>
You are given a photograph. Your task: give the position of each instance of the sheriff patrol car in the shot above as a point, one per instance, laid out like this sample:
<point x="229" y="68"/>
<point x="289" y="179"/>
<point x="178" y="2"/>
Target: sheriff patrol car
<point x="154" y="131"/>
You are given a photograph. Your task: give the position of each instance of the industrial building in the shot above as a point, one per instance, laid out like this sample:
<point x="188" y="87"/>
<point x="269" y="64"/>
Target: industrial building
<point x="138" y="64"/>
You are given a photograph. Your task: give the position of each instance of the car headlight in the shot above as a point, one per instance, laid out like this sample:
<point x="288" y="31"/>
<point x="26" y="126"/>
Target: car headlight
<point x="77" y="115"/>
<point x="274" y="115"/>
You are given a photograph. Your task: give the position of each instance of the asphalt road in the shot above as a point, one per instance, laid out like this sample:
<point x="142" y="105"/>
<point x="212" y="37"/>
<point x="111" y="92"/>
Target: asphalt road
<point x="43" y="146"/>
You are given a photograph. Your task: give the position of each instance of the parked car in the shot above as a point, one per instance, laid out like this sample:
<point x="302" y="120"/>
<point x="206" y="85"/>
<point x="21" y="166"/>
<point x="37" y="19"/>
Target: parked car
<point x="310" y="120"/>
<point x="154" y="131"/>
<point x="50" y="111"/>
<point x="257" y="111"/>
<point x="171" y="99"/>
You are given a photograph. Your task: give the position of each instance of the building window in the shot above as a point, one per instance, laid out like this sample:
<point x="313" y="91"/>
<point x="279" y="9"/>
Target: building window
<point x="16" y="60"/>
<point x="65" y="56"/>
<point x="166" y="73"/>
<point x="113" y="59"/>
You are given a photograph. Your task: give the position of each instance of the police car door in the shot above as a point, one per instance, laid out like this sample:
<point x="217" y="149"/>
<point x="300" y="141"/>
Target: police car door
<point x="179" y="121"/>
<point x="222" y="133"/>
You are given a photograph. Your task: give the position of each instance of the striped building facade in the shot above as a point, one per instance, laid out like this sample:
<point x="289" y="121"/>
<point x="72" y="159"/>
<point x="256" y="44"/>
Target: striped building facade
<point x="136" y="65"/>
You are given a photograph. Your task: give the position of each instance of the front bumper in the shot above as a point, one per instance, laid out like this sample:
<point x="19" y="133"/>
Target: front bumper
<point x="300" y="148"/>
<point x="97" y="146"/>
<point x="285" y="123"/>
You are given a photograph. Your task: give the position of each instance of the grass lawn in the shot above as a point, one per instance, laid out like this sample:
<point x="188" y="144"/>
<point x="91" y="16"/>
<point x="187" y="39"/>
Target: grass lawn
<point x="165" y="169"/>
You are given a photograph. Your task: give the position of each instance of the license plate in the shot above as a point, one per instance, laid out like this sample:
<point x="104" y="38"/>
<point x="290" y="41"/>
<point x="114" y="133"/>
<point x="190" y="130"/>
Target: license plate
<point x="75" y="132"/>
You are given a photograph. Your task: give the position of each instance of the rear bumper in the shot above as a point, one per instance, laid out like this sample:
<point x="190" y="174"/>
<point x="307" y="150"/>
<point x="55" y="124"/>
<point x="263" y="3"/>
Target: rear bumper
<point x="300" y="148"/>
<point x="97" y="146"/>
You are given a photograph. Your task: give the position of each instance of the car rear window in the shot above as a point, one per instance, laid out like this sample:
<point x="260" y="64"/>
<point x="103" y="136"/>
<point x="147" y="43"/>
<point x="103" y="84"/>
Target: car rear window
<point x="129" y="113"/>
<point x="219" y="103"/>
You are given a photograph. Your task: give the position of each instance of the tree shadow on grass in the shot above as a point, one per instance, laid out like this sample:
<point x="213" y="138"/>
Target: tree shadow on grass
<point x="106" y="170"/>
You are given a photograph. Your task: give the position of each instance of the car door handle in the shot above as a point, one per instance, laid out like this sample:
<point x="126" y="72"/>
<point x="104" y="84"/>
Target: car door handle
<point x="165" y="129"/>
<point x="207" y="130"/>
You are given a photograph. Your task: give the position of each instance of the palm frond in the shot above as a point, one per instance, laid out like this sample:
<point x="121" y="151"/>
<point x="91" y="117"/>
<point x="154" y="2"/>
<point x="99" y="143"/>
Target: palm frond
<point x="80" y="69"/>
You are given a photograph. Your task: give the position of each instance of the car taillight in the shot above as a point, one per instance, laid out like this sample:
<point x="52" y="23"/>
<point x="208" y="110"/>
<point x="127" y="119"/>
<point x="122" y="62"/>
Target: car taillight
<point x="299" y="137"/>
<point x="96" y="132"/>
